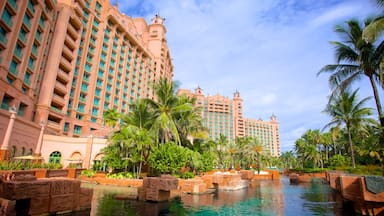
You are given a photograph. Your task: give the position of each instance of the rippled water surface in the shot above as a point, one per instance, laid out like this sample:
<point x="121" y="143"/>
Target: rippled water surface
<point x="262" y="198"/>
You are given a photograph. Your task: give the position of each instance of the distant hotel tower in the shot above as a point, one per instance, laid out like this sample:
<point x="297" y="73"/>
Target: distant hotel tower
<point x="224" y="116"/>
<point x="63" y="63"/>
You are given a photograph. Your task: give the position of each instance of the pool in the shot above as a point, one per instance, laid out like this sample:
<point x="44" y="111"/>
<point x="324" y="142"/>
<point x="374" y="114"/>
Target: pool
<point x="263" y="198"/>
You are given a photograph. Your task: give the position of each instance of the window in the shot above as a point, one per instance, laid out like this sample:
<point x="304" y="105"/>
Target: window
<point x="55" y="157"/>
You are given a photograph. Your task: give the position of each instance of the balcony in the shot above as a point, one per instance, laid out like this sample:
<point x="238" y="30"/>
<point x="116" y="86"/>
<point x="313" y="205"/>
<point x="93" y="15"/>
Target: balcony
<point x="62" y="75"/>
<point x="13" y="70"/>
<point x="34" y="50"/>
<point x="13" y="4"/>
<point x="31" y="8"/>
<point x="53" y="125"/>
<point x="82" y="99"/>
<point x="27" y="22"/>
<point x="7" y="19"/>
<point x="65" y="63"/>
<point x="86" y="79"/>
<point x="58" y="99"/>
<point x="38" y="37"/>
<point x="61" y="87"/>
<point x="3" y="40"/>
<point x="41" y="23"/>
<point x="84" y="88"/>
<point x="27" y="81"/>
<point x="70" y="41"/>
<point x="18" y="54"/>
<point x="67" y="53"/>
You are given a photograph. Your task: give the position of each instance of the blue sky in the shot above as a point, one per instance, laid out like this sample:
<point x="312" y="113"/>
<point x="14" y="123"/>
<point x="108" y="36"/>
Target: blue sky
<point x="268" y="50"/>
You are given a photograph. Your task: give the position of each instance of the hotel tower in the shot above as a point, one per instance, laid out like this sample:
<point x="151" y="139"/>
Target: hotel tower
<point x="224" y="116"/>
<point x="64" y="62"/>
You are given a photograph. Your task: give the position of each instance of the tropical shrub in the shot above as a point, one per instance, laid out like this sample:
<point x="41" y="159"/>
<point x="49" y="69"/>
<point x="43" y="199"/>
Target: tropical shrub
<point x="338" y="161"/>
<point x="88" y="173"/>
<point x="120" y="175"/>
<point x="187" y="175"/>
<point x="168" y="158"/>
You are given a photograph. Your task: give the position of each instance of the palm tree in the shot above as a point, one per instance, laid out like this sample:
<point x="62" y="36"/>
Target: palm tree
<point x="165" y="108"/>
<point x="306" y="148"/>
<point x="374" y="29"/>
<point x="139" y="116"/>
<point x="253" y="151"/>
<point x="356" y="58"/>
<point x="189" y="123"/>
<point x="111" y="117"/>
<point x="288" y="160"/>
<point x="346" y="109"/>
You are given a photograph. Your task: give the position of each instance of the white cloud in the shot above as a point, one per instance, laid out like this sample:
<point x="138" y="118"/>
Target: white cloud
<point x="270" y="51"/>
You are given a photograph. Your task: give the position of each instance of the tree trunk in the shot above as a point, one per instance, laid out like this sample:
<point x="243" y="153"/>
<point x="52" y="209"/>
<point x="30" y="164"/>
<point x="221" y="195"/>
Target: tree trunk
<point x="351" y="147"/>
<point x="380" y="113"/>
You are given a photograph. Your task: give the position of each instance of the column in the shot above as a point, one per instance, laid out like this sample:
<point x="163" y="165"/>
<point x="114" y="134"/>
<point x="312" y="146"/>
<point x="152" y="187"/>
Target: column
<point x="40" y="141"/>
<point x="53" y="61"/>
<point x="4" y="150"/>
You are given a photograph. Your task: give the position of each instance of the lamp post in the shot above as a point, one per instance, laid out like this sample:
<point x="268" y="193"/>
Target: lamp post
<point x="5" y="145"/>
<point x="40" y="140"/>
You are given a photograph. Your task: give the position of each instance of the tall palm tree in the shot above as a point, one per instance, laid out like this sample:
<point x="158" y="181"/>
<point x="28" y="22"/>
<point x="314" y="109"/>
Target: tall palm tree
<point x="165" y="108"/>
<point x="189" y="123"/>
<point x="376" y="28"/>
<point x="347" y="110"/>
<point x="356" y="58"/>
<point x="111" y="117"/>
<point x="253" y="152"/>
<point x="139" y="116"/>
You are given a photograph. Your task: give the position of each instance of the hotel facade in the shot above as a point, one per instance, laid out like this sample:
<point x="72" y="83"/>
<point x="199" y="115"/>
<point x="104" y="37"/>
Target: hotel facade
<point x="63" y="63"/>
<point x="224" y="116"/>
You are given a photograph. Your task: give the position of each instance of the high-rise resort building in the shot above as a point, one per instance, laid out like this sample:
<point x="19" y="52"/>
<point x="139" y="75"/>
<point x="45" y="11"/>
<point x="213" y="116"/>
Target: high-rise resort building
<point x="64" y="62"/>
<point x="224" y="116"/>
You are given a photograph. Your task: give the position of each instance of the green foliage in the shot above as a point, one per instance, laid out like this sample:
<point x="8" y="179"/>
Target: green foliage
<point x="207" y="160"/>
<point x="310" y="170"/>
<point x="187" y="175"/>
<point x="26" y="165"/>
<point x="338" y="160"/>
<point x="120" y="175"/>
<point x="168" y="158"/>
<point x="365" y="170"/>
<point x="88" y="173"/>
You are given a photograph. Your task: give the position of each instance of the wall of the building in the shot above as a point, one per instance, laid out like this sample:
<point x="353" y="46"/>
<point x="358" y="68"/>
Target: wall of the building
<point x="89" y="149"/>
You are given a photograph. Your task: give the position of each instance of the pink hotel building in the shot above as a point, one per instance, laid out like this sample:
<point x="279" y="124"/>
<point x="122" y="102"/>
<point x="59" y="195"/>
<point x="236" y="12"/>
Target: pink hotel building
<point x="63" y="63"/>
<point x="224" y="116"/>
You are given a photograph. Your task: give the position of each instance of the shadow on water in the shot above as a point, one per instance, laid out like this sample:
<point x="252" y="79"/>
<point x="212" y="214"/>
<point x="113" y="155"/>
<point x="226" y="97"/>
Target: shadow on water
<point x="262" y="198"/>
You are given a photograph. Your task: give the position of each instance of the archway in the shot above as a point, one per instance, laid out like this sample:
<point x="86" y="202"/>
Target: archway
<point x="76" y="160"/>
<point x="55" y="157"/>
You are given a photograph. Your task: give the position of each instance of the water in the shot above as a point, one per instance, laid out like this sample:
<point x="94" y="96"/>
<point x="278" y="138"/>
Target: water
<point x="263" y="198"/>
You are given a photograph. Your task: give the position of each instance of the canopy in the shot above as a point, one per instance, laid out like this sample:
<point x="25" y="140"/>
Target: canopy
<point x="28" y="157"/>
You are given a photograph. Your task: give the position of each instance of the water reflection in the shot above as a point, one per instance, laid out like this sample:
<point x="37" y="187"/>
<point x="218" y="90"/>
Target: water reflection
<point x="261" y="198"/>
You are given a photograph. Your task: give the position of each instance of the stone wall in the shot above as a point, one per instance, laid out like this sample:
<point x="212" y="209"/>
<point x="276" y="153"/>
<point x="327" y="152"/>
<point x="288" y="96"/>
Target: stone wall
<point x="31" y="196"/>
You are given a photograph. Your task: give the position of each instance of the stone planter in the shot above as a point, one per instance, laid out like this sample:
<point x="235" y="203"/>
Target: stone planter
<point x="57" y="173"/>
<point x="74" y="172"/>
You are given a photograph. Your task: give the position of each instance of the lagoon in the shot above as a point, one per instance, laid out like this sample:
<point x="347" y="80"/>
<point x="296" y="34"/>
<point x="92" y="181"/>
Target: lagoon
<point x="263" y="198"/>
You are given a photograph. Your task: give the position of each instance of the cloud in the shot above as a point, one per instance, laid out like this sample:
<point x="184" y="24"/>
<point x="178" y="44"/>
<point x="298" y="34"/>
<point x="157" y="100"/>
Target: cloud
<point x="270" y="51"/>
<point x="336" y="14"/>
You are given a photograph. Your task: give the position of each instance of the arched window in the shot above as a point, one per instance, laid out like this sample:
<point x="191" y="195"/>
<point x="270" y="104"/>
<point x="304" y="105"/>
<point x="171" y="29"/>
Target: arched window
<point x="22" y="151"/>
<point x="30" y="151"/>
<point x="55" y="157"/>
